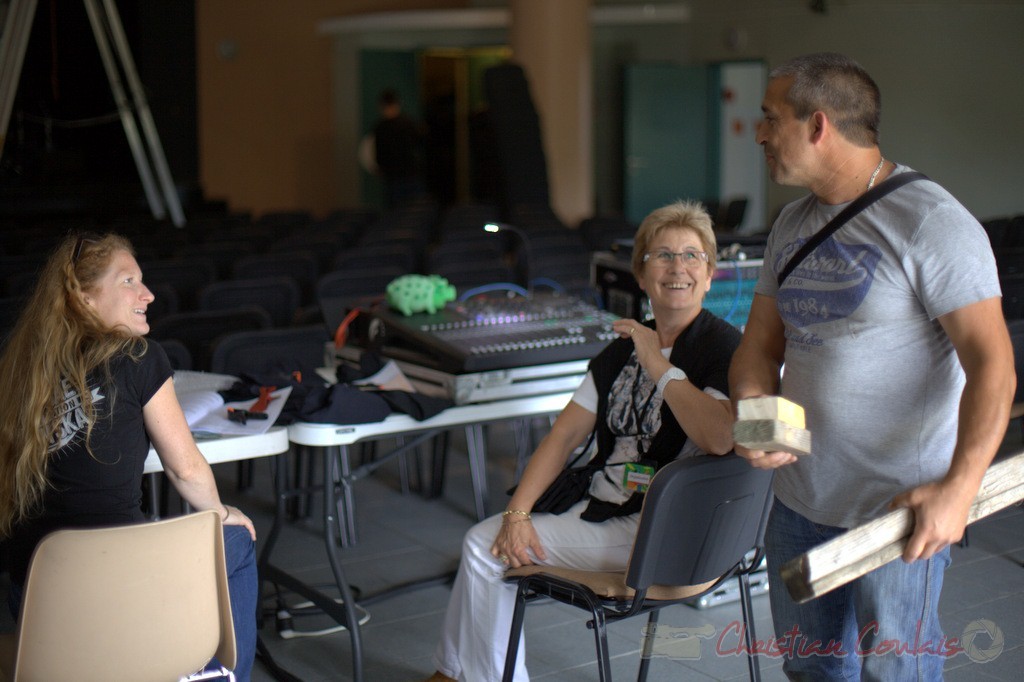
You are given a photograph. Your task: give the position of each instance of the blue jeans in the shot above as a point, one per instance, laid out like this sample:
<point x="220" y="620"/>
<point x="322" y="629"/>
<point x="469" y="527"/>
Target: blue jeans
<point x="882" y="626"/>
<point x="243" y="589"/>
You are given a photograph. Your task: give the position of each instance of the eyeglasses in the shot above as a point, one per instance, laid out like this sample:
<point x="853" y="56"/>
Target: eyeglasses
<point x="87" y="238"/>
<point x="689" y="259"/>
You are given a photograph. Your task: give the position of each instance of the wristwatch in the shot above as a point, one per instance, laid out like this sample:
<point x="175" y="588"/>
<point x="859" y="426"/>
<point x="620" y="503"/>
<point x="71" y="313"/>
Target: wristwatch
<point x="672" y="374"/>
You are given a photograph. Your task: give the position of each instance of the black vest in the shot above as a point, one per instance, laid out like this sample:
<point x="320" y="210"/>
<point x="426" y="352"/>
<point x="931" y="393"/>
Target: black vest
<point x="689" y="353"/>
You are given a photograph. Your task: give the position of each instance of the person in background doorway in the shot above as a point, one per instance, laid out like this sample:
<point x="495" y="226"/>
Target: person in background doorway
<point x="397" y="142"/>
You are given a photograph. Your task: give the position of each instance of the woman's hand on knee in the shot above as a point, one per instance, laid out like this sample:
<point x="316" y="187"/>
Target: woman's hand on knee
<point x="515" y="541"/>
<point x="235" y="517"/>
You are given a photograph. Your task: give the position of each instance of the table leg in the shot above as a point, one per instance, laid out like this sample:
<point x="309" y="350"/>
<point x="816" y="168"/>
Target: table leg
<point x="343" y="613"/>
<point x="351" y="618"/>
<point x="476" y="448"/>
<point x="346" y="504"/>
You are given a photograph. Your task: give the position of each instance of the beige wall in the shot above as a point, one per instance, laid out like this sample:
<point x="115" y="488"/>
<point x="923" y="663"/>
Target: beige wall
<point x="952" y="94"/>
<point x="265" y="127"/>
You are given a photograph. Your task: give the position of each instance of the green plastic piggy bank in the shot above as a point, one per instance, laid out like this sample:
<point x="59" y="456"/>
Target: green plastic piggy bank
<point x="419" y="293"/>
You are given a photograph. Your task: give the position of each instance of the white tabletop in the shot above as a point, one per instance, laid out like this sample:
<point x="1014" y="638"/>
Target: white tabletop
<point x="220" y="449"/>
<point x="324" y="435"/>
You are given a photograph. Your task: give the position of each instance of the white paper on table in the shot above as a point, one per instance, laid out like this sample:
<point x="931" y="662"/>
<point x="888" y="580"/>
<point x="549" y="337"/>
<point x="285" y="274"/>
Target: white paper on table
<point x="216" y="420"/>
<point x="389" y="378"/>
<point x="190" y="381"/>
<point x="199" y="404"/>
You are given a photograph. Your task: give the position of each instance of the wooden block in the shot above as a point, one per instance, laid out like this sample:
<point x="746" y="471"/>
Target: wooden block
<point x="772" y="435"/>
<point x="771" y="407"/>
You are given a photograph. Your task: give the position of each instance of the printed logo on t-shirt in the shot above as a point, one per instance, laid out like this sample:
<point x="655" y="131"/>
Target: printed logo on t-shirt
<point x="830" y="283"/>
<point x="72" y="416"/>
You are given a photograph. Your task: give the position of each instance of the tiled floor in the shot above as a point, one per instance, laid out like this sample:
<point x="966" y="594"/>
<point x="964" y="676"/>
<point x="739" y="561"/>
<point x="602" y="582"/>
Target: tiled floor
<point x="406" y="537"/>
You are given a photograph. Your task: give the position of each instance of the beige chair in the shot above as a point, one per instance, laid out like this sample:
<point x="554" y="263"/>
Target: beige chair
<point x="141" y="602"/>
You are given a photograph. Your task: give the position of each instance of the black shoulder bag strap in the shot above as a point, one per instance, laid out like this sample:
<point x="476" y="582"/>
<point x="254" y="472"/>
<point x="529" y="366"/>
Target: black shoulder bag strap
<point x="855" y="207"/>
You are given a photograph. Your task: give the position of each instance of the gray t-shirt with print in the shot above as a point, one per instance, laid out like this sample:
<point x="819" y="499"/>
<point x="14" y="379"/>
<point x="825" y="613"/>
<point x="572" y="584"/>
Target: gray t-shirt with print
<point x="865" y="354"/>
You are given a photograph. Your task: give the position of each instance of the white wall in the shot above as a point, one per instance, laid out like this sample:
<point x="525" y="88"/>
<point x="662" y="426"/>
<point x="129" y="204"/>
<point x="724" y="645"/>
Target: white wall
<point x="950" y="75"/>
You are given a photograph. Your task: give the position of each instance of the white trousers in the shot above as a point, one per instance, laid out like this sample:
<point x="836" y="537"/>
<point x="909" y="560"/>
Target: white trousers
<point x="474" y="637"/>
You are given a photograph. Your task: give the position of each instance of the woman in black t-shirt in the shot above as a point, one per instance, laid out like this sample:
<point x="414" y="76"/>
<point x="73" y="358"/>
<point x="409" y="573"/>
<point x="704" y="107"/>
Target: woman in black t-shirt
<point x="82" y="395"/>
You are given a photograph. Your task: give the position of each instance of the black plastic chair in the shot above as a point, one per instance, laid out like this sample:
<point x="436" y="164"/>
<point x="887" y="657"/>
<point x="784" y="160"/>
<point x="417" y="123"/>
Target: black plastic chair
<point x="222" y="253"/>
<point x="199" y="330"/>
<point x="260" y="353"/>
<point x="279" y="296"/>
<point x="702" y="524"/>
<point x="323" y="244"/>
<point x="600" y="232"/>
<point x="1013" y="295"/>
<point x="405" y="255"/>
<point x="366" y="281"/>
<point x="256" y="352"/>
<point x="300" y="265"/>
<point x="732" y="214"/>
<point x="177" y="353"/>
<point x="471" y="264"/>
<point x="165" y="301"/>
<point x="186" y="275"/>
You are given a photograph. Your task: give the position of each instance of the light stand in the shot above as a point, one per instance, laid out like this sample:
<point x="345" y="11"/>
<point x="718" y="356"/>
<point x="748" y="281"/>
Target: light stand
<point x="505" y="227"/>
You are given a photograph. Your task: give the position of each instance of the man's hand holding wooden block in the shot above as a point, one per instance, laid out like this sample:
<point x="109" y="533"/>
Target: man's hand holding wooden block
<point x="771" y="424"/>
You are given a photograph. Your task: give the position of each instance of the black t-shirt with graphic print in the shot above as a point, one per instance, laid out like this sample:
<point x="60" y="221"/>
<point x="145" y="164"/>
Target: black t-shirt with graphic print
<point x="104" y="487"/>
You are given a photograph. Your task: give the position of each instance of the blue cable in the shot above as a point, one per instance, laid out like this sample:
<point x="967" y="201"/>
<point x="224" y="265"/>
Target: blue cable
<point x="497" y="286"/>
<point x="547" y="282"/>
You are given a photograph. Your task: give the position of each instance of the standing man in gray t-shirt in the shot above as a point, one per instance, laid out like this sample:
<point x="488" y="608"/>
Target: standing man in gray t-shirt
<point x="893" y="340"/>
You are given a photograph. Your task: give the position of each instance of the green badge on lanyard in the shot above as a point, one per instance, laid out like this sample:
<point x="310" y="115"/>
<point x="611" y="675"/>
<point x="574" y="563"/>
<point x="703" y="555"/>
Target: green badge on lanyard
<point x="637" y="476"/>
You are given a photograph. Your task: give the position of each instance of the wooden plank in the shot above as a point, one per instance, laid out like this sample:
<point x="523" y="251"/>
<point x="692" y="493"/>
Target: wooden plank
<point x="864" y="548"/>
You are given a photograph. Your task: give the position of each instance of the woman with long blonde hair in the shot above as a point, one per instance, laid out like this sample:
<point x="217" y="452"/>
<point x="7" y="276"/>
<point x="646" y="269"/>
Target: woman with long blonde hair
<point x="82" y="398"/>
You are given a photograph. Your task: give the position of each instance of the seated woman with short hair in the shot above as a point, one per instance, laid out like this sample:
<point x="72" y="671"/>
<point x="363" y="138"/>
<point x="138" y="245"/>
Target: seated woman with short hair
<point x="656" y="393"/>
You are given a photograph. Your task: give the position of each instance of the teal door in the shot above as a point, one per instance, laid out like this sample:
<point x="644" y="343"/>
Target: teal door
<point x="666" y="137"/>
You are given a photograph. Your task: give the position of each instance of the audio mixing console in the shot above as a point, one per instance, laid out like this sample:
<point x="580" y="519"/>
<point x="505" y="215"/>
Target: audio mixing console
<point x="488" y="334"/>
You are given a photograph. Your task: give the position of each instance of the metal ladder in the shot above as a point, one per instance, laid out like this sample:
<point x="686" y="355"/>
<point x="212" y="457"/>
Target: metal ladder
<point x="18" y="15"/>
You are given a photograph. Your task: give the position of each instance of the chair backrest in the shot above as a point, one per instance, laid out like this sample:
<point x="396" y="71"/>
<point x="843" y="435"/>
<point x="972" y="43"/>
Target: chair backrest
<point x="141" y="602"/>
<point x="301" y="265"/>
<point x="405" y="256"/>
<point x="177" y="353"/>
<point x="367" y="280"/>
<point x="258" y="352"/>
<point x="701" y="516"/>
<point x="279" y="296"/>
<point x="165" y="301"/>
<point x="1013" y="295"/>
<point x="186" y="275"/>
<point x="199" y="329"/>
